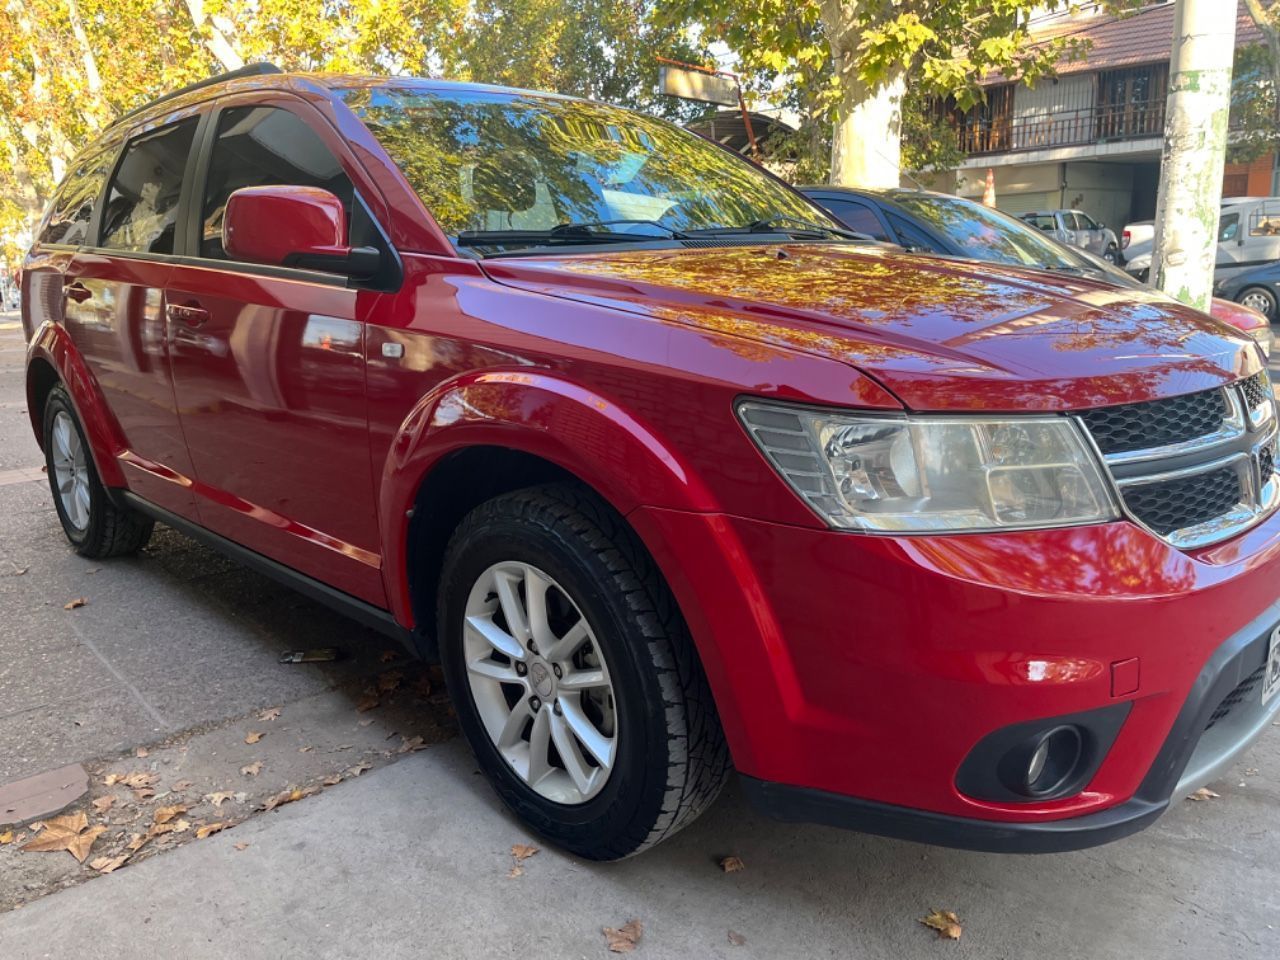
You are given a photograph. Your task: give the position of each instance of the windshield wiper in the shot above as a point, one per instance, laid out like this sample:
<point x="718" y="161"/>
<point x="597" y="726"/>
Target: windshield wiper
<point x="808" y="229"/>
<point x="563" y="234"/>
<point x="590" y="228"/>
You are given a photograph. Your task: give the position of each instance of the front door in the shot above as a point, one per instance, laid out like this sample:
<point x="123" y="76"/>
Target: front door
<point x="269" y="371"/>
<point x="114" y="293"/>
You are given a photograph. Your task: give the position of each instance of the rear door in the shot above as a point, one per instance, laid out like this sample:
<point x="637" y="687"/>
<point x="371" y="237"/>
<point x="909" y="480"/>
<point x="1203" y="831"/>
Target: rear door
<point x="269" y="363"/>
<point x="114" y="297"/>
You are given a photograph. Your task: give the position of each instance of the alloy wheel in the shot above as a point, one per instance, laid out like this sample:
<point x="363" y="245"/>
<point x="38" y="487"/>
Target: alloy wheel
<point x="1259" y="301"/>
<point x="540" y="682"/>
<point x="71" y="471"/>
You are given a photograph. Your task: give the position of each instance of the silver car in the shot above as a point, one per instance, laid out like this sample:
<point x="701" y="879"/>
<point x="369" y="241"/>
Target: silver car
<point x="1248" y="237"/>
<point x="1077" y="228"/>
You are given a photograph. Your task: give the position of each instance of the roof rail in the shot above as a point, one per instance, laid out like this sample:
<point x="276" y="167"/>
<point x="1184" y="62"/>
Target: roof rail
<point x="250" y="70"/>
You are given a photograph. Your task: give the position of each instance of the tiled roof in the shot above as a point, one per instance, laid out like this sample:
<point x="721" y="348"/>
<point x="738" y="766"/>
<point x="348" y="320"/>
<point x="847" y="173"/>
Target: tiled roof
<point x="1120" y="41"/>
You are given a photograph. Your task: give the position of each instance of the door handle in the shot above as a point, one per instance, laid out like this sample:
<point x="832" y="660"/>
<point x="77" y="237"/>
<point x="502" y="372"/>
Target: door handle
<point x="190" y="314"/>
<point x="77" y="291"/>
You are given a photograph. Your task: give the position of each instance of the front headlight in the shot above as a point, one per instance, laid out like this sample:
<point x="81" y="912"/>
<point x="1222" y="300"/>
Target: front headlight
<point x="917" y="474"/>
<point x="1266" y="339"/>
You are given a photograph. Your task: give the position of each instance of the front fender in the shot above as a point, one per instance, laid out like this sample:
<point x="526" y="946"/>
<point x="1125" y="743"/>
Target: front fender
<point x="586" y="434"/>
<point x="52" y="345"/>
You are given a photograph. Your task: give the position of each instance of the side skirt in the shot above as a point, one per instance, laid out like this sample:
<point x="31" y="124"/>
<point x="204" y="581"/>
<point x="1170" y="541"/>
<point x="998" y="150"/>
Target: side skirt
<point x="363" y="613"/>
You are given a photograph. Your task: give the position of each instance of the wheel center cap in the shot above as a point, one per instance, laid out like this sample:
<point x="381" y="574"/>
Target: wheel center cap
<point x="544" y="684"/>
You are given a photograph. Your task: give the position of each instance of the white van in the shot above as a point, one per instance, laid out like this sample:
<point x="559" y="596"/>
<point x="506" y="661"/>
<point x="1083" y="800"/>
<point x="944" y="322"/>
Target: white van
<point x="1248" y="236"/>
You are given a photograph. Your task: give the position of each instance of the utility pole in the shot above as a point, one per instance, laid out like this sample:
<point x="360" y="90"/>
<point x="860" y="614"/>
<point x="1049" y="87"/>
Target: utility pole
<point x="1195" y="150"/>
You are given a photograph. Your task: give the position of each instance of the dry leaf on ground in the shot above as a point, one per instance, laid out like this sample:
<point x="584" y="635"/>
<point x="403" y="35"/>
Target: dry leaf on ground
<point x="359" y="768"/>
<point x="137" y="841"/>
<point x="624" y="938"/>
<point x="516" y="871"/>
<point x="522" y="851"/>
<point x="71" y="833"/>
<point x="242" y="845"/>
<point x="209" y="829"/>
<point x="412" y="745"/>
<point x="305" y="749"/>
<point x="368" y="702"/>
<point x="165" y="814"/>
<point x="103" y="804"/>
<point x="142" y="753"/>
<point x="107" y="864"/>
<point x="271" y="713"/>
<point x="1204" y="793"/>
<point x="736" y="939"/>
<point x="389" y="681"/>
<point x="732" y="864"/>
<point x="217" y="798"/>
<point x="6" y="837"/>
<point x="251" y="769"/>
<point x="182" y="785"/>
<point x="366" y="721"/>
<point x="292" y="795"/>
<point x="332" y="780"/>
<point x="945" y="922"/>
<point x="253" y="736"/>
<point x="77" y="602"/>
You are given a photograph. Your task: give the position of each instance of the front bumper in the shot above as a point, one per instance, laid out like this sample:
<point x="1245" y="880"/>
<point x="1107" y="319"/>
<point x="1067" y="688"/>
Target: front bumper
<point x="855" y="673"/>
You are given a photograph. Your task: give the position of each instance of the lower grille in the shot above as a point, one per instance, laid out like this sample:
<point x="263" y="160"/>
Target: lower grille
<point x="1237" y="696"/>
<point x="1173" y="504"/>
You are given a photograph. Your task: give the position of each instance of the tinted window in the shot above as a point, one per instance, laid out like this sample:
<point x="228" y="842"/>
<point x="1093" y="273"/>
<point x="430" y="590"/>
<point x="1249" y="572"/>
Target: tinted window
<point x="1265" y="220"/>
<point x="1229" y="227"/>
<point x="855" y="216"/>
<point x="73" y="210"/>
<point x="267" y="146"/>
<point x="142" y="201"/>
<point x="909" y="235"/>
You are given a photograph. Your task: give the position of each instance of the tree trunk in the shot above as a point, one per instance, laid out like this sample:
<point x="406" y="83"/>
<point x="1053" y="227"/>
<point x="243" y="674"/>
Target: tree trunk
<point x="866" y="145"/>
<point x="215" y="40"/>
<point x="1195" y="148"/>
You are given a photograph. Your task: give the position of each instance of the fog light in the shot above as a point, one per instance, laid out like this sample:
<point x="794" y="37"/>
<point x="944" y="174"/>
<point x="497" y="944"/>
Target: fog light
<point x="1038" y="760"/>
<point x="1053" y="760"/>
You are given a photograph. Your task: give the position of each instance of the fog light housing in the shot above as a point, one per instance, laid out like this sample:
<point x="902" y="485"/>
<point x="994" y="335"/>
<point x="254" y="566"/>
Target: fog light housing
<point x="1041" y="759"/>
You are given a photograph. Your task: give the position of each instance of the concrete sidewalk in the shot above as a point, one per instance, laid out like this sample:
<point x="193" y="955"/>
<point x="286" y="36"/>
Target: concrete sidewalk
<point x="412" y="861"/>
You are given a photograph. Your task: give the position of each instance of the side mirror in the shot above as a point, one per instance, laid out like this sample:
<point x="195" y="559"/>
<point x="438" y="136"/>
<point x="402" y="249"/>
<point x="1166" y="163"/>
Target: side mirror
<point x="291" y="226"/>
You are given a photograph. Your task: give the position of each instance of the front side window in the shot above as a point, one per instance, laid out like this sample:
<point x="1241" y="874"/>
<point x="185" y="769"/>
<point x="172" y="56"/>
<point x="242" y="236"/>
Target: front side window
<point x="73" y="210"/>
<point x="1229" y="227"/>
<point x="142" y="201"/>
<point x="855" y="216"/>
<point x="498" y="161"/>
<point x="268" y="146"/>
<point x="1086" y="222"/>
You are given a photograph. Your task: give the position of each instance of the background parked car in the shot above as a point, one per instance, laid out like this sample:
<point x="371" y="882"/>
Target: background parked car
<point x="1258" y="288"/>
<point x="929" y="222"/>
<point x="1248" y="237"/>
<point x="1078" y="229"/>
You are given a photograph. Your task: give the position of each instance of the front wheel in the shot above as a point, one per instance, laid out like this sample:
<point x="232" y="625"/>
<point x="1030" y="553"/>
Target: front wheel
<point x="573" y="674"/>
<point x="95" y="526"/>
<point x="1111" y="253"/>
<point x="1262" y="300"/>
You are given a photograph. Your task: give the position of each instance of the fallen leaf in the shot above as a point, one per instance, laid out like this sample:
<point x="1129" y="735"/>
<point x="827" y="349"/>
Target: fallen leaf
<point x="422" y="686"/>
<point x="242" y="845"/>
<point x="305" y="749"/>
<point x="292" y="795"/>
<point x="624" y="938"/>
<point x="737" y="939"/>
<point x="253" y="736"/>
<point x="6" y="837"/>
<point x="945" y="922"/>
<point x="139" y="779"/>
<point x="209" y="829"/>
<point x="107" y="864"/>
<point x="70" y="832"/>
<point x="366" y="703"/>
<point x="386" y="656"/>
<point x="732" y="864"/>
<point x="180" y="826"/>
<point x="165" y="814"/>
<point x="366" y="721"/>
<point x="252" y="769"/>
<point x="182" y="785"/>
<point x="73" y="604"/>
<point x="332" y="780"/>
<point x="358" y="769"/>
<point x="219" y="797"/>
<point x="1204" y="793"/>
<point x="389" y="681"/>
<point x="143" y="793"/>
<point x="141" y="753"/>
<point x="111" y="779"/>
<point x="411" y="744"/>
<point x="137" y="841"/>
<point x="103" y="804"/>
<point x="515" y="871"/>
<point x="522" y="851"/>
<point x="271" y="713"/>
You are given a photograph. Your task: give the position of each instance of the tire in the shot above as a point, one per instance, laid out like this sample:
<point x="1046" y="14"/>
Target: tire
<point x="1262" y="300"/>
<point x="96" y="527"/>
<point x="1112" y="254"/>
<point x="668" y="754"/>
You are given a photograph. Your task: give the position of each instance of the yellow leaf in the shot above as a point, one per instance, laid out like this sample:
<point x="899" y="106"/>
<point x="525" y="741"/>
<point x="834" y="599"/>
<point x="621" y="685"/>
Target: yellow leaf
<point x="107" y="864"/>
<point x="219" y="797"/>
<point x="624" y="938"/>
<point x="522" y="851"/>
<point x="70" y="832"/>
<point x="210" y="828"/>
<point x="253" y="736"/>
<point x="6" y="837"/>
<point x="165" y="814"/>
<point x="73" y="604"/>
<point x="103" y="804"/>
<point x="945" y="922"/>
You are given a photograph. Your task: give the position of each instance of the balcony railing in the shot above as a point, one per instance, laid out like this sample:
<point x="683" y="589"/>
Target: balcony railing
<point x="1062" y="128"/>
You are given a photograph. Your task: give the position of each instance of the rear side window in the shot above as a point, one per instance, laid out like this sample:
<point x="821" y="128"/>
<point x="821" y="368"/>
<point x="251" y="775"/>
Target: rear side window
<point x="142" y="201"/>
<point x="855" y="216"/>
<point x="1265" y="220"/>
<point x="267" y="146"/>
<point x="1041" y="221"/>
<point x="73" y="210"/>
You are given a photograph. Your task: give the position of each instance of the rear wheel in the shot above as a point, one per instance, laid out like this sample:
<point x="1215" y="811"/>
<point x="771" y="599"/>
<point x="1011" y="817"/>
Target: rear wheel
<point x="573" y="674"/>
<point x="1111" y="253"/>
<point x="1262" y="300"/>
<point x="95" y="526"/>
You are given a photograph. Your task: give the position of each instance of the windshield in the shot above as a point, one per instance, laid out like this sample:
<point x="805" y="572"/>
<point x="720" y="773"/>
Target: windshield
<point x="488" y="160"/>
<point x="987" y="234"/>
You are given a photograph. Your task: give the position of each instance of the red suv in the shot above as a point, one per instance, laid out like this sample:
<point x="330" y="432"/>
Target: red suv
<point x="670" y="471"/>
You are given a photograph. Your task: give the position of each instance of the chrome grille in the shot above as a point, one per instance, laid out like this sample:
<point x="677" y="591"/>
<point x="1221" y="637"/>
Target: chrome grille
<point x="1194" y="469"/>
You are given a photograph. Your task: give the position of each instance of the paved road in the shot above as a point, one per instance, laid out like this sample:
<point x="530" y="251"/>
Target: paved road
<point x="410" y="860"/>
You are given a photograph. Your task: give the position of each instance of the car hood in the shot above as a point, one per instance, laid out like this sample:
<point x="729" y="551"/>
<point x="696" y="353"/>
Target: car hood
<point x="941" y="334"/>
